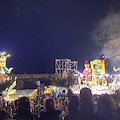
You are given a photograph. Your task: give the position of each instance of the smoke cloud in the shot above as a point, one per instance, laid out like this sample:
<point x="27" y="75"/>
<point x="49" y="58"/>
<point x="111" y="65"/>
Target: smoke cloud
<point x="107" y="34"/>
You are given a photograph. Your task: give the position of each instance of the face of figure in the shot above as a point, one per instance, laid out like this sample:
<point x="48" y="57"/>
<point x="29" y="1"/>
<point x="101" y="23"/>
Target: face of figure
<point x="2" y="62"/>
<point x="87" y="66"/>
<point x="98" y="66"/>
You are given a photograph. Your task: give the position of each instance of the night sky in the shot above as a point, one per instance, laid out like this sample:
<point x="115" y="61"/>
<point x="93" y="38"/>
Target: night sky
<point x="35" y="32"/>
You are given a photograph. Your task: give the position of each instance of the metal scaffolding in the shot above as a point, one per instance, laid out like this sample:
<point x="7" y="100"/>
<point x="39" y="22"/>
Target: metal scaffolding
<point x="65" y="66"/>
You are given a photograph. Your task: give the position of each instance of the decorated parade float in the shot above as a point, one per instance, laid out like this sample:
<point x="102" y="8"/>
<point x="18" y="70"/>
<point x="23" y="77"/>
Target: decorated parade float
<point x="94" y="76"/>
<point x="7" y="83"/>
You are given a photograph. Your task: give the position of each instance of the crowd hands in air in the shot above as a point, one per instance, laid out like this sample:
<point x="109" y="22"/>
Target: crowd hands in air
<point x="66" y="106"/>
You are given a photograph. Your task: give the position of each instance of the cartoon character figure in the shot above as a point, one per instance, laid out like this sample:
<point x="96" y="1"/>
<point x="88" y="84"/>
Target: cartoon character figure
<point x="102" y="81"/>
<point x="87" y="72"/>
<point x="3" y="69"/>
<point x="98" y="67"/>
<point x="87" y="69"/>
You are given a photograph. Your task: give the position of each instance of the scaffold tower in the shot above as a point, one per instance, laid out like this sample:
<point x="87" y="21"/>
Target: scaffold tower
<point x="65" y="66"/>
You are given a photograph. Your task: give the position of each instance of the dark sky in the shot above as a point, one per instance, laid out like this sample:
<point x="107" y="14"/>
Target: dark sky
<point x="35" y="32"/>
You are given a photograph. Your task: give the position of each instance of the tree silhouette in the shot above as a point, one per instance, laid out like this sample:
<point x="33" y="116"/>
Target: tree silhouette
<point x="64" y="82"/>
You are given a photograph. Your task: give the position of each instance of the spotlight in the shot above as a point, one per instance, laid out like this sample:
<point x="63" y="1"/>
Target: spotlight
<point x="107" y="75"/>
<point x="81" y="75"/>
<point x="8" y="55"/>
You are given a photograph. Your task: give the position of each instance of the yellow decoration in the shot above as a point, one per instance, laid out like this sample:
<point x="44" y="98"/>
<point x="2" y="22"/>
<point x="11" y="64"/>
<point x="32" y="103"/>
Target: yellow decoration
<point x="33" y="94"/>
<point x="98" y="66"/>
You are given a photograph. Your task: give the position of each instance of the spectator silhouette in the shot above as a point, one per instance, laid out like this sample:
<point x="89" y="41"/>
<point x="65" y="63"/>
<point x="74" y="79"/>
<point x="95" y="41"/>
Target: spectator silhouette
<point x="23" y="111"/>
<point x="15" y="106"/>
<point x="106" y="110"/>
<point x="69" y="94"/>
<point x="51" y="112"/>
<point x="73" y="108"/>
<point x="3" y="115"/>
<point x="86" y="105"/>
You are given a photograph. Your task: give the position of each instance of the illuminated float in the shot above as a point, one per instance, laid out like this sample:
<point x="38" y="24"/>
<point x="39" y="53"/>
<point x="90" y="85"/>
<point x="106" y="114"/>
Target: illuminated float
<point x="5" y="79"/>
<point x="9" y="90"/>
<point x="98" y="67"/>
<point x="4" y="71"/>
<point x="98" y="72"/>
<point x="94" y="73"/>
<point x="94" y="76"/>
<point x="87" y="72"/>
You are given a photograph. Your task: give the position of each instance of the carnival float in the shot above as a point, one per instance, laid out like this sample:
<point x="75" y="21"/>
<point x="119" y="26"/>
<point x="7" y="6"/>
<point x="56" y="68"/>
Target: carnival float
<point x="94" y="76"/>
<point x="5" y="79"/>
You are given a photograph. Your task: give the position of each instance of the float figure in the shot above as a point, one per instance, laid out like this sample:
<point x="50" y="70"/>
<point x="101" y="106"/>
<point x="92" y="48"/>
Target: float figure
<point x="98" y="68"/>
<point x="3" y="69"/>
<point x="87" y="72"/>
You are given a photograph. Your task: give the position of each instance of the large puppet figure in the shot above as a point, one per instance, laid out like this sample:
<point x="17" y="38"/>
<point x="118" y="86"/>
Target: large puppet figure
<point x="3" y="69"/>
<point x="98" y="68"/>
<point x="87" y="72"/>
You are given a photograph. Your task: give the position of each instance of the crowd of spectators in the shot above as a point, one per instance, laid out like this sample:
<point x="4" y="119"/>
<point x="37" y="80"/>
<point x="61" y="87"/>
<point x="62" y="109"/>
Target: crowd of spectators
<point x="66" y="106"/>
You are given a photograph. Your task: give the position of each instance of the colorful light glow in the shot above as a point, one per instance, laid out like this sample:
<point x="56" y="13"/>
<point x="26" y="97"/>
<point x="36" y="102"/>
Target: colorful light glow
<point x="81" y="75"/>
<point x="3" y="69"/>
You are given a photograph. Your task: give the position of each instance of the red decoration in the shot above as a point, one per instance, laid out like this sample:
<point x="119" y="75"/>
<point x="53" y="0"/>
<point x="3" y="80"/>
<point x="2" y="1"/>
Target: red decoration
<point x="87" y="71"/>
<point x="86" y="62"/>
<point x="102" y="61"/>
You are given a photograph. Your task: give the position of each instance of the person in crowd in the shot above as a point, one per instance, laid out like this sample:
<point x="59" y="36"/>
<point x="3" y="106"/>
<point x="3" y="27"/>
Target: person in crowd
<point x="106" y="110"/>
<point x="3" y="115"/>
<point x="69" y="94"/>
<point x="23" y="111"/>
<point x="46" y="97"/>
<point x="60" y="95"/>
<point x="73" y="108"/>
<point x="51" y="113"/>
<point x="64" y="99"/>
<point x="59" y="104"/>
<point x="10" y="108"/>
<point x="86" y="108"/>
<point x="64" y="94"/>
<point x="15" y="106"/>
